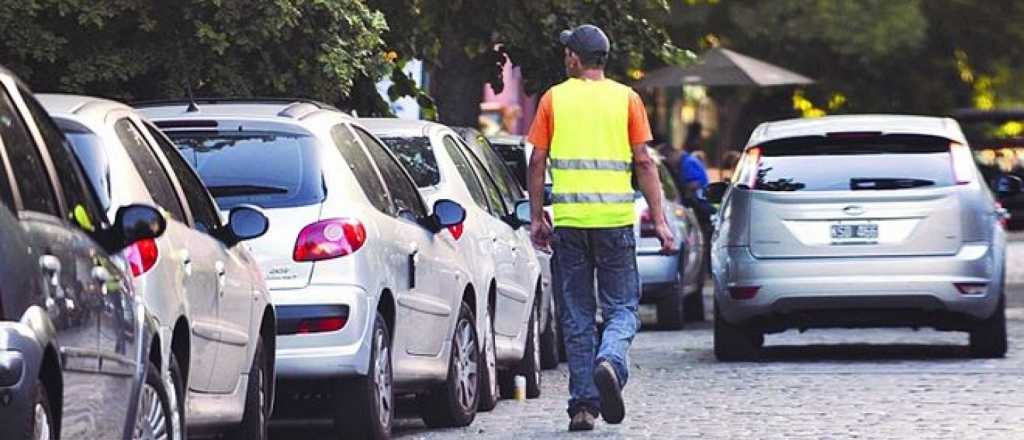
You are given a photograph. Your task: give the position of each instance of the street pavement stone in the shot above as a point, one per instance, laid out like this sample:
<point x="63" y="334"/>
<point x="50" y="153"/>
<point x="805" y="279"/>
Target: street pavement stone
<point x="824" y="384"/>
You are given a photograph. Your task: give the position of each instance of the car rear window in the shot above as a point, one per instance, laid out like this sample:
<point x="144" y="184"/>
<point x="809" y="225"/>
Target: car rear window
<point x="267" y="169"/>
<point x="417" y="156"/>
<point x="837" y="164"/>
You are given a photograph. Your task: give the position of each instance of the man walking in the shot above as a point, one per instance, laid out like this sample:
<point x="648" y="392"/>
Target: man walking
<point x="595" y="132"/>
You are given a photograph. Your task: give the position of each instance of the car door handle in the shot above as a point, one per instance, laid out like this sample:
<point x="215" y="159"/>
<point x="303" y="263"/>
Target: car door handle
<point x="410" y="248"/>
<point x="221" y="277"/>
<point x="186" y="263"/>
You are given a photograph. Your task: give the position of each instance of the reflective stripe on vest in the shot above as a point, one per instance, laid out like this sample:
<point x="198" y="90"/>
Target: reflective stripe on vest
<point x="590" y="155"/>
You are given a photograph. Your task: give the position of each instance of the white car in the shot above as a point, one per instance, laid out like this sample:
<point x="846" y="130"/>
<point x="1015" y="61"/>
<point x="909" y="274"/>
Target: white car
<point x="216" y="324"/>
<point x="493" y="242"/>
<point x="372" y="299"/>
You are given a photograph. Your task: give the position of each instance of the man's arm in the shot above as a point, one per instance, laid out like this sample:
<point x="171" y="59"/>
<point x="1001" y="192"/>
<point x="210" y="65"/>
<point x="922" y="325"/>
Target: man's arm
<point x="540" y="230"/>
<point x="650" y="185"/>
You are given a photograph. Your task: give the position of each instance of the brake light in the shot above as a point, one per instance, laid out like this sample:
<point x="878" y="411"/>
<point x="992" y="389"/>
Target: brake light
<point x="1001" y="216"/>
<point x="971" y="288"/>
<point x="963" y="163"/>
<point x="142" y="256"/>
<point x="320" y="325"/>
<point x="750" y="167"/>
<point x="456" y="231"/>
<point x="328" y="239"/>
<point x="743" y="292"/>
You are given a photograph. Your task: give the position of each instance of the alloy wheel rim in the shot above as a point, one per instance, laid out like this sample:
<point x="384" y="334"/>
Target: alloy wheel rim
<point x="41" y="428"/>
<point x="175" y="409"/>
<point x="466" y="368"/>
<point x="383" y="379"/>
<point x="151" y="421"/>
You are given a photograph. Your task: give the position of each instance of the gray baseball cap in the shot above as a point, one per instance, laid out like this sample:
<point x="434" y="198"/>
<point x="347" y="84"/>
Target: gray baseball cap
<point x="586" y="40"/>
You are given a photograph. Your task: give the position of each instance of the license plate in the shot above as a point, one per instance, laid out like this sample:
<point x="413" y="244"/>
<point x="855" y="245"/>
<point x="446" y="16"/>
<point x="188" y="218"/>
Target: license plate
<point x="854" y="233"/>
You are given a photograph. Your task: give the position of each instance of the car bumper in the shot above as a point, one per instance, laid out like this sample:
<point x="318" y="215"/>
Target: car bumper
<point x="339" y="353"/>
<point x="658" y="273"/>
<point x="860" y="292"/>
<point x="20" y="358"/>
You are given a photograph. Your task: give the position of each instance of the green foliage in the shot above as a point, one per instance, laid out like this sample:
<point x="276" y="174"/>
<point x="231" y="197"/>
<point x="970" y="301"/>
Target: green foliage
<point x="145" y="49"/>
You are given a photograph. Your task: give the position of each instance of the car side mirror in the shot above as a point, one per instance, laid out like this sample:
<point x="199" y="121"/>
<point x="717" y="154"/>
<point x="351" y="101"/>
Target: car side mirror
<point x="520" y="215"/>
<point x="134" y="223"/>
<point x="447" y="213"/>
<point x="1008" y="185"/>
<point x="245" y="222"/>
<point x="715" y="192"/>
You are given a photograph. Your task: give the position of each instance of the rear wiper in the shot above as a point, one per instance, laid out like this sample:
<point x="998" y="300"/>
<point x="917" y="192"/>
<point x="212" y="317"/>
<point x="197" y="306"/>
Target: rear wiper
<point x="245" y="190"/>
<point x="888" y="183"/>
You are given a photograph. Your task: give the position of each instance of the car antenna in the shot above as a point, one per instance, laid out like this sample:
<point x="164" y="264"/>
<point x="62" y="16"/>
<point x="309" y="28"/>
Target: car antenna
<point x="192" y="106"/>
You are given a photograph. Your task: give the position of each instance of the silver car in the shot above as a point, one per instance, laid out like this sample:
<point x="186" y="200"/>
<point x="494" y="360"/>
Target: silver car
<point x="216" y="323"/>
<point x="493" y="242"/>
<point x="858" y="221"/>
<point x="372" y="300"/>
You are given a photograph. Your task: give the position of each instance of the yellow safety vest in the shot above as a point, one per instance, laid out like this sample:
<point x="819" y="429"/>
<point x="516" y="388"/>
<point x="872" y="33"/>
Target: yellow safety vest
<point x="590" y="155"/>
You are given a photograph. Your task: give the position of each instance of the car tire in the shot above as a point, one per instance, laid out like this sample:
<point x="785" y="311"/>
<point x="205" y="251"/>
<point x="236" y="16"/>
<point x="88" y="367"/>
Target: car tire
<point x="40" y="423"/>
<point x="254" y="416"/>
<point x="530" y="366"/>
<point x="734" y="343"/>
<point x="489" y="391"/>
<point x="176" y="389"/>
<point x="365" y="406"/>
<point x="550" y="356"/>
<point x="693" y="304"/>
<point x="454" y="403"/>
<point x="154" y="414"/>
<point x="670" y="309"/>
<point x="988" y="340"/>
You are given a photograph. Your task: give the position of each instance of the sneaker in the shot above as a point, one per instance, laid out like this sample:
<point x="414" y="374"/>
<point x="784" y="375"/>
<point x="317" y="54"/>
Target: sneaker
<point x="613" y="410"/>
<point x="582" y="421"/>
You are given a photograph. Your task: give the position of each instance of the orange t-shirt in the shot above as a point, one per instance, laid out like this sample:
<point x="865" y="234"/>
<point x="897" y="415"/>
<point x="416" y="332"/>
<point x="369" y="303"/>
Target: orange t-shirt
<point x="543" y="128"/>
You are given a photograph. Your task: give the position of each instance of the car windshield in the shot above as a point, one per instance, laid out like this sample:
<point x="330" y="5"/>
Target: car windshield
<point x="267" y="169"/>
<point x="417" y="156"/>
<point x="883" y="163"/>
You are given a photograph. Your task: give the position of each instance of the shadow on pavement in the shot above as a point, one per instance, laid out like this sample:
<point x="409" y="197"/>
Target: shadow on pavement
<point x="862" y="352"/>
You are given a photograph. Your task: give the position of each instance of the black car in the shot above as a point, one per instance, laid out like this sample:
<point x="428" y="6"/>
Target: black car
<point x="75" y="358"/>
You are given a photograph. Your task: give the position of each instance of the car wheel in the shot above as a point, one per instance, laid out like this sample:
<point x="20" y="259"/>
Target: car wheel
<point x="549" y="341"/>
<point x="454" y="403"/>
<point x="254" y="416"/>
<point x="693" y="304"/>
<point x="670" y="309"/>
<point x="153" y="419"/>
<point x="365" y="406"/>
<point x="40" y="421"/>
<point x="734" y="343"/>
<point x="489" y="393"/>
<point x="174" y="384"/>
<point x="988" y="340"/>
<point x="530" y="365"/>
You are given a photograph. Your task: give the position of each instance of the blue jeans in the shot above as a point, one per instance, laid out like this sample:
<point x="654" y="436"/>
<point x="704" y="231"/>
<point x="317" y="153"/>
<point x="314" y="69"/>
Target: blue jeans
<point x="611" y="255"/>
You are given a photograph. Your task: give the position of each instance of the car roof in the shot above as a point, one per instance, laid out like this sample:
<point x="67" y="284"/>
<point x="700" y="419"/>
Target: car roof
<point x="886" y="124"/>
<point x="394" y="127"/>
<point x="241" y="108"/>
<point x="82" y="107"/>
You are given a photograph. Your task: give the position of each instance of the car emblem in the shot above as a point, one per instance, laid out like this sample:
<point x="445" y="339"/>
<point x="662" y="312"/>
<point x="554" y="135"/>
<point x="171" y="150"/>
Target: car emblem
<point x="853" y="210"/>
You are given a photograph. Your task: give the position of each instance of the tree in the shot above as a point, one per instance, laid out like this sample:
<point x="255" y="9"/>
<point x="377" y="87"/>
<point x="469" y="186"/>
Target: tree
<point x="143" y="49"/>
<point x="464" y="44"/>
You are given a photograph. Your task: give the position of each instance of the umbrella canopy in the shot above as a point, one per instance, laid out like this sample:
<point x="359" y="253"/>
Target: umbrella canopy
<point x="723" y="67"/>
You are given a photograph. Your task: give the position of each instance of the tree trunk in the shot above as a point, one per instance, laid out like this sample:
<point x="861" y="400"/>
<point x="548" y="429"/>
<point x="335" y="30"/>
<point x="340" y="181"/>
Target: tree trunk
<point x="730" y="115"/>
<point x="456" y="84"/>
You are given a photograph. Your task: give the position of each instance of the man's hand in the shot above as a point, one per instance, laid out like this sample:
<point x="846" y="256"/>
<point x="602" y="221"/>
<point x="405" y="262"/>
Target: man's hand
<point x="666" y="237"/>
<point x="540" y="233"/>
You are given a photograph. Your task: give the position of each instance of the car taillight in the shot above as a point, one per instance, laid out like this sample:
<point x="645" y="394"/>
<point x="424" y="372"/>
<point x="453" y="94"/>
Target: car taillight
<point x="750" y="167"/>
<point x="743" y="292"/>
<point x="457" y="231"/>
<point x="328" y="239"/>
<point x="963" y="163"/>
<point x="320" y="325"/>
<point x="142" y="256"/>
<point x="971" y="288"/>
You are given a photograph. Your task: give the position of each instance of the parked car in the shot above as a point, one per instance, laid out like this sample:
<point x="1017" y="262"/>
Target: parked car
<point x="371" y="299"/>
<point x="493" y="242"/>
<point x="79" y="356"/>
<point x="858" y="221"/>
<point x="675" y="283"/>
<point x="552" y="348"/>
<point x="217" y="326"/>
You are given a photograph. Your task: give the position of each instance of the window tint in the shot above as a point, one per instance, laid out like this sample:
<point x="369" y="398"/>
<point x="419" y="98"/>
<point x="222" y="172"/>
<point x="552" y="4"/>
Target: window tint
<point x="511" y="192"/>
<point x="204" y="212"/>
<point x="26" y="163"/>
<point x="882" y="163"/>
<point x="82" y="206"/>
<point x="266" y="168"/>
<point x="403" y="193"/>
<point x="466" y="171"/>
<point x="490" y="188"/>
<point x="417" y="155"/>
<point x="153" y="174"/>
<point x="361" y="167"/>
<point x="88" y="148"/>
<point x="6" y="196"/>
